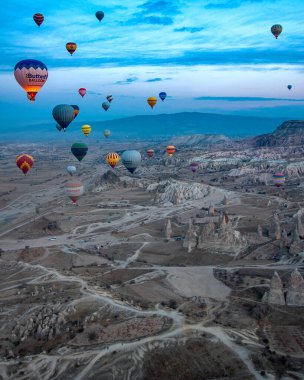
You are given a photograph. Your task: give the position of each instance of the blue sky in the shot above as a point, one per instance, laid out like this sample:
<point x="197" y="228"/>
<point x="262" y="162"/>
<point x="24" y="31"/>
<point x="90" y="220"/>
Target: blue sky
<point x="208" y="55"/>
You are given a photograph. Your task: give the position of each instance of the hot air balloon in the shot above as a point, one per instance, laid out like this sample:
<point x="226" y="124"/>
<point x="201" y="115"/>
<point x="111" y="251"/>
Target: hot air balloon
<point x="105" y="106"/>
<point x="31" y="75"/>
<point x="74" y="189"/>
<point x="194" y="166"/>
<point x="276" y="30"/>
<point x="279" y="179"/>
<point x="86" y="129"/>
<point x="71" y="169"/>
<point x="79" y="150"/>
<point x="99" y="15"/>
<point x="162" y="95"/>
<point x="59" y="127"/>
<point x="82" y="91"/>
<point x="24" y="162"/>
<point x="152" y="101"/>
<point x="289" y="87"/>
<point x="71" y="47"/>
<point x="106" y="133"/>
<point x="131" y="159"/>
<point x="64" y="115"/>
<point x="113" y="159"/>
<point x="76" y="110"/>
<point x="109" y="98"/>
<point x="38" y="18"/>
<point x="30" y="98"/>
<point x="150" y="153"/>
<point x="170" y="150"/>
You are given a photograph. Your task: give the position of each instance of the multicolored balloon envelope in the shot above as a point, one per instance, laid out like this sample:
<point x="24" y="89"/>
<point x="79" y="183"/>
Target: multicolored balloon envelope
<point x="79" y="150"/>
<point x="150" y="153"/>
<point x="106" y="133"/>
<point x="38" y="18"/>
<point x="76" y="110"/>
<point x="279" y="179"/>
<point x="31" y="75"/>
<point x="113" y="159"/>
<point x="170" y="150"/>
<point x="131" y="159"/>
<point x="152" y="101"/>
<point x="71" y="169"/>
<point x="109" y="98"/>
<point x="82" y="91"/>
<point x="162" y="95"/>
<point x="276" y="30"/>
<point x="74" y="189"/>
<point x="105" y="106"/>
<point x="86" y="129"/>
<point x="193" y="166"/>
<point x="63" y="114"/>
<point x="71" y="47"/>
<point x="99" y="15"/>
<point x="24" y="162"/>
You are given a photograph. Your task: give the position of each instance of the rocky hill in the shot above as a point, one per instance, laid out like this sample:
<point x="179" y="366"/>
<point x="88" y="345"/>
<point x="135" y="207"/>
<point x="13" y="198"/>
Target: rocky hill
<point x="198" y="140"/>
<point x="289" y="133"/>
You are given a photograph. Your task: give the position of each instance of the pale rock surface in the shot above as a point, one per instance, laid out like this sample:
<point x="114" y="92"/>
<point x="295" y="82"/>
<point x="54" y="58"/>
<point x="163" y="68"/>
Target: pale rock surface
<point x="295" y="291"/>
<point x="168" y="229"/>
<point x="275" y="227"/>
<point x="275" y="295"/>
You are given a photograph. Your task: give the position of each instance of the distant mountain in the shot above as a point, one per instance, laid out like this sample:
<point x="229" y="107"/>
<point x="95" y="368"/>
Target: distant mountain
<point x="288" y="133"/>
<point x="154" y="126"/>
<point x="198" y="140"/>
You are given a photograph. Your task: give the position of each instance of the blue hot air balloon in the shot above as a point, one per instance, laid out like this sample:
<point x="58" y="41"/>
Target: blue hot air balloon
<point x="131" y="159"/>
<point x="64" y="115"/>
<point x="162" y="95"/>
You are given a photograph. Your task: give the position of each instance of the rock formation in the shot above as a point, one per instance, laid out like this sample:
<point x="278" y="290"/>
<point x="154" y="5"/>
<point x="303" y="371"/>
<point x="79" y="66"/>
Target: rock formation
<point x="190" y="240"/>
<point x="299" y="225"/>
<point x="260" y="231"/>
<point x="168" y="229"/>
<point x="296" y="245"/>
<point x="211" y="210"/>
<point x="275" y="227"/>
<point x="275" y="294"/>
<point x="295" y="291"/>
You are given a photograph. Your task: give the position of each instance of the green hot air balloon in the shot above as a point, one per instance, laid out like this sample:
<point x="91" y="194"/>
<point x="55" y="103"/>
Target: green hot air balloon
<point x="99" y="15"/>
<point x="64" y="115"/>
<point x="106" y="133"/>
<point x="105" y="105"/>
<point x="59" y="127"/>
<point x="79" y="150"/>
<point x="131" y="159"/>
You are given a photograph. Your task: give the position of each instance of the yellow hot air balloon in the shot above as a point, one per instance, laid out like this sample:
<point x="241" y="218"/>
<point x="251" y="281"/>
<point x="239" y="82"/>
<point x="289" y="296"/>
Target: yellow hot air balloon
<point x="113" y="159"/>
<point x="152" y="101"/>
<point x="71" y="47"/>
<point x="86" y="129"/>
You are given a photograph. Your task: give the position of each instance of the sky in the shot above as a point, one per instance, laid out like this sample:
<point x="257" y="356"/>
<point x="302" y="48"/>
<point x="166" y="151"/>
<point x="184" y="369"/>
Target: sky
<point x="213" y="56"/>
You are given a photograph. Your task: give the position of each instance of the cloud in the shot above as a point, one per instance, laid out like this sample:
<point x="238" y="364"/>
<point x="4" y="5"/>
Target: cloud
<point x="189" y="29"/>
<point x="127" y="81"/>
<point x="232" y="4"/>
<point x="245" y="99"/>
<point x="155" y="12"/>
<point x="94" y="93"/>
<point x="157" y="79"/>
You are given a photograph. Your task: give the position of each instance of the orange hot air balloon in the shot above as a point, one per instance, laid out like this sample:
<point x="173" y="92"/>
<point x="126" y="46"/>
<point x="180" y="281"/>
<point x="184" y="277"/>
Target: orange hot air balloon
<point x="113" y="159"/>
<point x="24" y="162"/>
<point x="71" y="47"/>
<point x="170" y="150"/>
<point x="150" y="153"/>
<point x="31" y="75"/>
<point x="152" y="101"/>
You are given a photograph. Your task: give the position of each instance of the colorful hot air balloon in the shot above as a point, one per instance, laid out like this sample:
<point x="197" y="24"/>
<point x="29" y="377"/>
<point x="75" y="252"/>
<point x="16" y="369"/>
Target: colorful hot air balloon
<point x="113" y="159"/>
<point x="24" y="162"/>
<point x="289" y="87"/>
<point x="152" y="101"/>
<point x="170" y="150"/>
<point x="279" y="179"/>
<point x="59" y="127"/>
<point x="74" y="189"/>
<point x="99" y="15"/>
<point x="105" y="106"/>
<point x="86" y="129"/>
<point x="131" y="159"/>
<point x="106" y="133"/>
<point x="109" y="98"/>
<point x="71" y="47"/>
<point x="79" y="150"/>
<point x="76" y="110"/>
<point x="276" y="30"/>
<point x="82" y="91"/>
<point x="38" y="18"/>
<point x="71" y="169"/>
<point x="64" y="115"/>
<point x="193" y="166"/>
<point x="150" y="153"/>
<point x="162" y="95"/>
<point x="31" y="75"/>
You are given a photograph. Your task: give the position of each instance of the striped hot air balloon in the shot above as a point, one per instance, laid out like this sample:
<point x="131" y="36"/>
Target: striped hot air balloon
<point x="24" y="162"/>
<point x="71" y="47"/>
<point x="150" y="153"/>
<point x="193" y="166"/>
<point x="63" y="114"/>
<point x="170" y="150"/>
<point x="38" y="18"/>
<point x="152" y="101"/>
<point x="31" y="75"/>
<point x="86" y="129"/>
<point x="279" y="179"/>
<point x="74" y="189"/>
<point x="109" y="98"/>
<point x="113" y="159"/>
<point x="131" y="159"/>
<point x="79" y="150"/>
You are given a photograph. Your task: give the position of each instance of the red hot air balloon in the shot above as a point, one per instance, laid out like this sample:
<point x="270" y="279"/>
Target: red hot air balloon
<point x="82" y="91"/>
<point x="38" y="18"/>
<point x="194" y="166"/>
<point x="150" y="153"/>
<point x="24" y="162"/>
